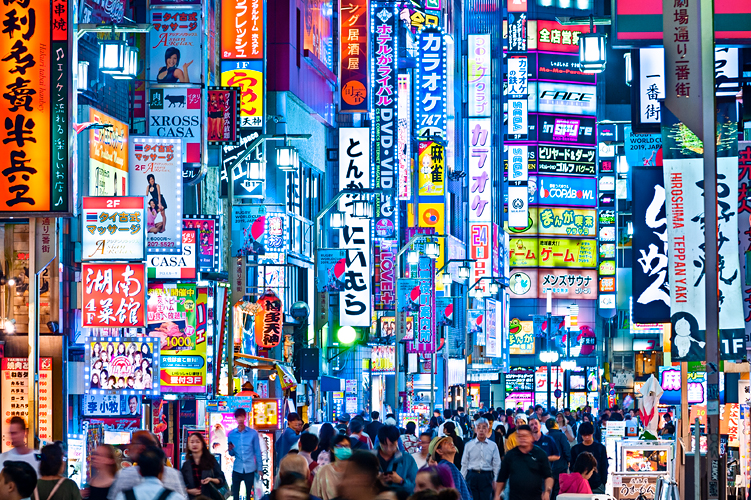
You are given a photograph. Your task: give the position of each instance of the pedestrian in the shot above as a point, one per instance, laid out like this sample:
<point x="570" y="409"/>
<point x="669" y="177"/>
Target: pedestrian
<point x="374" y="425"/>
<point x="433" y="426"/>
<point x="559" y="466"/>
<point x="290" y="485"/>
<point x="409" y="440"/>
<point x="51" y="480"/>
<point x="520" y="419"/>
<point x="398" y="470"/>
<point x="329" y="476"/>
<point x="18" y="480"/>
<point x="481" y="462"/>
<point x="104" y="468"/>
<point x="363" y="479"/>
<point x="589" y="444"/>
<point x="130" y="477"/>
<point x="434" y="477"/>
<point x="342" y="423"/>
<point x="565" y="428"/>
<point x="668" y="429"/>
<point x="307" y="445"/>
<point x="448" y="417"/>
<point x="421" y="456"/>
<point x="290" y="435"/>
<point x="244" y="444"/>
<point x="449" y="429"/>
<point x="443" y="453"/>
<point x="20" y="451"/>
<point x="578" y="480"/>
<point x="464" y="422"/>
<point x="438" y="417"/>
<point x="526" y="469"/>
<point x="360" y="441"/>
<point x="322" y="455"/>
<point x="201" y="472"/>
<point x="150" y="467"/>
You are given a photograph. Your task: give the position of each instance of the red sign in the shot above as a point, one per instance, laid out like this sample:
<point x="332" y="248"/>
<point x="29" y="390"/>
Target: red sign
<point x="517" y="5"/>
<point x="269" y="320"/>
<point x="353" y="31"/>
<point x="554" y="37"/>
<point x="242" y="29"/>
<point x="114" y="295"/>
<point x="224" y="123"/>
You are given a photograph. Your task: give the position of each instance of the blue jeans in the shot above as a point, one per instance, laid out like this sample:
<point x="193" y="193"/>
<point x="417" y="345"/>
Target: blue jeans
<point x="237" y="478"/>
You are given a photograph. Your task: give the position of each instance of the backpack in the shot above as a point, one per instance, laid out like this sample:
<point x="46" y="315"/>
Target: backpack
<point x="130" y="495"/>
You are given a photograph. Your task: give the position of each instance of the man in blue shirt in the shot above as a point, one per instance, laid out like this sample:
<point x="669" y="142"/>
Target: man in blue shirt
<point x="290" y="436"/>
<point x="243" y="443"/>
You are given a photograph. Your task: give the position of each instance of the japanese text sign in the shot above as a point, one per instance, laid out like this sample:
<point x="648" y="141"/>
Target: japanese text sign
<point x="566" y="129"/>
<point x="478" y="75"/>
<point x="209" y="229"/>
<point x="566" y="160"/>
<point x="425" y="333"/>
<point x="122" y="365"/>
<point x="431" y="83"/>
<point x="566" y="98"/>
<point x="531" y="252"/>
<point x="108" y="156"/>
<point x="480" y="170"/>
<point x="35" y="68"/>
<point x="521" y="341"/>
<point x="404" y="131"/>
<point x="175" y="45"/>
<point x="248" y="77"/>
<point x="176" y="112"/>
<point x="568" y="284"/>
<point x="517" y="32"/>
<point x="561" y="68"/>
<point x="353" y="30"/>
<point x="114" y="295"/>
<point x="242" y="29"/>
<point x="481" y="246"/>
<point x="651" y="84"/>
<point x="567" y="191"/>
<point x="385" y="275"/>
<point x="431" y="177"/>
<point x="183" y="266"/>
<point x="517" y="77"/>
<point x="15" y="400"/>
<point x="518" y="162"/>
<point x="269" y="320"/>
<point x="114" y="228"/>
<point x="554" y="37"/>
<point x="354" y="173"/>
<point x="224" y="119"/>
<point x="110" y="405"/>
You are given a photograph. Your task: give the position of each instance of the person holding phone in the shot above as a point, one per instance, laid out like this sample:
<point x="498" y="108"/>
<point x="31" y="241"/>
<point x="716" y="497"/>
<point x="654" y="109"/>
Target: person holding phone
<point x="398" y="470"/>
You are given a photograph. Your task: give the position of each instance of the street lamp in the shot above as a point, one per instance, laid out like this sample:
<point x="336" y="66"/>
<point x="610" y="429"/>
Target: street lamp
<point x="362" y="209"/>
<point x="413" y="257"/>
<point x="432" y="250"/>
<point x="446" y="279"/>
<point x="629" y="68"/>
<point x="336" y="219"/>
<point x="130" y="70"/>
<point x="286" y="158"/>
<point x="494" y="287"/>
<point x="83" y="76"/>
<point x="549" y="357"/>
<point x="568" y="364"/>
<point x="464" y="271"/>
<point x="112" y="56"/>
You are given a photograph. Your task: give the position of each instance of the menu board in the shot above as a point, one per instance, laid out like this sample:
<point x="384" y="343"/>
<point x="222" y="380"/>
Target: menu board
<point x="15" y="400"/>
<point x="628" y="486"/>
<point x="645" y="459"/>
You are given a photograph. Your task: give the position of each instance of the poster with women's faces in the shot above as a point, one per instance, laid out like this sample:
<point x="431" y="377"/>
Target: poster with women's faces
<point x="122" y="365"/>
<point x="156" y="171"/>
<point x="175" y="46"/>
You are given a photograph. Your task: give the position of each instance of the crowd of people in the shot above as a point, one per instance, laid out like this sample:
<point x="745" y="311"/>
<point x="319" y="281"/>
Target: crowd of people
<point x="509" y="454"/>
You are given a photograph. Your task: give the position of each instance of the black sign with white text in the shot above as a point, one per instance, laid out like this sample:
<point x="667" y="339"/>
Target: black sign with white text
<point x="566" y="160"/>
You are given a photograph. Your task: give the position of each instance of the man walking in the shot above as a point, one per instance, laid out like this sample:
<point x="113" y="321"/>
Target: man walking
<point x="600" y="476"/>
<point x="150" y="467"/>
<point x="20" y="452"/>
<point x="245" y="446"/>
<point x="398" y="469"/>
<point x="481" y="462"/>
<point x="561" y="441"/>
<point x="527" y="470"/>
<point x="372" y="428"/>
<point x="290" y="436"/>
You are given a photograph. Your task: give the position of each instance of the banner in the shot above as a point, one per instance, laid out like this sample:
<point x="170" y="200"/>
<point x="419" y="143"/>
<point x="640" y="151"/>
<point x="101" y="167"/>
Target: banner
<point x="175" y="46"/>
<point x="113" y="295"/>
<point x="242" y="29"/>
<point x="476" y="326"/>
<point x="431" y="77"/>
<point x="407" y="306"/>
<point x="384" y="255"/>
<point x="404" y="131"/>
<point x="183" y="266"/>
<point x="354" y="172"/>
<point x="331" y="264"/>
<point x="744" y="230"/>
<point x="176" y="112"/>
<point x="567" y="191"/>
<point x="444" y="311"/>
<point x="177" y="316"/>
<point x="478" y="75"/>
<point x="533" y="252"/>
<point x="650" y="284"/>
<point x="480" y="170"/>
<point x="353" y="51"/>
<point x="492" y="341"/>
<point x="248" y="230"/>
<point x="425" y="332"/>
<point x="521" y="338"/>
<point x="15" y="400"/>
<point x="223" y="118"/>
<point x="209" y="229"/>
<point x="108" y="156"/>
<point x="156" y="172"/>
<point x="114" y="228"/>
<point x="121" y="365"/>
<point x="641" y="149"/>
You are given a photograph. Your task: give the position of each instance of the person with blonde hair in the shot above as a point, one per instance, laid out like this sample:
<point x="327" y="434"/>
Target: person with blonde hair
<point x="104" y="464"/>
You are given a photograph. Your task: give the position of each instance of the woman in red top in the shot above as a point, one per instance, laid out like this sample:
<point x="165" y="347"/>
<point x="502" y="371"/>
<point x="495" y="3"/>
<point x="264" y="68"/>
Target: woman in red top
<point x="578" y="480"/>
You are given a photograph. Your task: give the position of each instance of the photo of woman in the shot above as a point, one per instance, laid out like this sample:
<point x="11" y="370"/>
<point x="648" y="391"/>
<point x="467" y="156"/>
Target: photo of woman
<point x="152" y="225"/>
<point x="217" y="103"/>
<point x="95" y="381"/>
<point x="170" y="72"/>
<point x="154" y="191"/>
<point x="110" y="352"/>
<point x="121" y="349"/>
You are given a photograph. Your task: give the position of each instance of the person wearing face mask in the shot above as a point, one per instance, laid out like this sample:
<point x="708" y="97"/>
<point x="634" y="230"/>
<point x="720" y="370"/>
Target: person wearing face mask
<point x="329" y="477"/>
<point x="398" y="470"/>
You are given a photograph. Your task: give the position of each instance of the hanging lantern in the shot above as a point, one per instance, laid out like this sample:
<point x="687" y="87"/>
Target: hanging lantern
<point x="269" y="320"/>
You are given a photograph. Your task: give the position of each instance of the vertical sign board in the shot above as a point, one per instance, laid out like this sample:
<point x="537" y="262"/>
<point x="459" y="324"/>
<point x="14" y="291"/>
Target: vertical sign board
<point x="517" y="90"/>
<point x="404" y="131"/>
<point x="175" y="45"/>
<point x="651" y="84"/>
<point x="176" y="112"/>
<point x="35" y="68"/>
<point x="353" y="52"/>
<point x="242" y="29"/>
<point x="15" y="401"/>
<point x="481" y="198"/>
<point x="425" y="334"/>
<point x="248" y="77"/>
<point x="431" y="83"/>
<point x="385" y="275"/>
<point x="744" y="229"/>
<point x="384" y="28"/>
<point x="517" y="32"/>
<point x="223" y="118"/>
<point x="478" y="75"/>
<point x="491" y="337"/>
<point x="354" y="172"/>
<point x="650" y="285"/>
<point x="114" y="228"/>
<point x="108" y="156"/>
<point x="518" y="176"/>
<point x="114" y="295"/>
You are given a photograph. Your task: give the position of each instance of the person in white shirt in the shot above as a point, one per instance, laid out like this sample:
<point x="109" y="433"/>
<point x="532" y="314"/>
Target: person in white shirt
<point x="421" y="457"/>
<point x="481" y="462"/>
<point x="17" y="480"/>
<point x="447" y="415"/>
<point x="151" y="468"/>
<point x="20" y="452"/>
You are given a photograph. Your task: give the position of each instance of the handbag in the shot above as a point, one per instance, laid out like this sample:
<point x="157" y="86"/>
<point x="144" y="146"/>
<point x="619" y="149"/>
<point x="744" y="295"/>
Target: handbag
<point x="220" y="492"/>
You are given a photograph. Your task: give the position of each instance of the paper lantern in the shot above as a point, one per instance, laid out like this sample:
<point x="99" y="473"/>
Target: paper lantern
<point x="269" y="320"/>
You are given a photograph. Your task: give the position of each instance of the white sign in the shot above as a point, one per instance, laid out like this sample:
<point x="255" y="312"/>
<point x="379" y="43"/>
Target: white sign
<point x="183" y="266"/>
<point x="566" y="98"/>
<point x="517" y="77"/>
<point x="518" y="121"/>
<point x="176" y="112"/>
<point x="113" y="228"/>
<point x="478" y="75"/>
<point x="354" y="172"/>
<point x="518" y="162"/>
<point x="480" y="170"/>
<point x="156" y="172"/>
<point x="518" y="207"/>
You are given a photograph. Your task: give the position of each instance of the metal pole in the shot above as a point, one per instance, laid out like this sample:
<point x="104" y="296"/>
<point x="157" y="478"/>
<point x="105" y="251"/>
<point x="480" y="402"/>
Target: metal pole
<point x="709" y="127"/>
<point x="397" y="340"/>
<point x="33" y="339"/>
<point x="697" y="458"/>
<point x="547" y="348"/>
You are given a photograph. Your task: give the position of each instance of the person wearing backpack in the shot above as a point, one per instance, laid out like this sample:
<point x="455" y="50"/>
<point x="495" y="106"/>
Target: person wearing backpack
<point x="464" y="423"/>
<point x="52" y="485"/>
<point x="151" y="468"/>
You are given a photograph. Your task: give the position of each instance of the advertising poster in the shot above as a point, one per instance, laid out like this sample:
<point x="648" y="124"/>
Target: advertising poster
<point x="480" y="170"/>
<point x="407" y="306"/>
<point x="223" y="124"/>
<point x="567" y="191"/>
<point x="431" y="174"/>
<point x="175" y="46"/>
<point x="248" y="76"/>
<point x="444" y="311"/>
<point x="566" y="98"/>
<point x="176" y="112"/>
<point x="114" y="228"/>
<point x="404" y="130"/>
<point x="531" y="252"/>
<point x="177" y="317"/>
<point x="517" y="32"/>
<point x="108" y="156"/>
<point x="209" y="229"/>
<point x="120" y="365"/>
<point x="15" y="400"/>
<point x="431" y="83"/>
<point x="551" y="221"/>
<point x="156" y="172"/>
<point x="331" y="264"/>
<point x="481" y="246"/>
<point x="649" y="279"/>
<point x="319" y="28"/>
<point x="248" y="230"/>
<point x="183" y="266"/>
<point x="113" y="295"/>
<point x="110" y="405"/>
<point x="476" y="325"/>
<point x="382" y="357"/>
<point x="566" y="129"/>
<point x="641" y="149"/>
<point x="567" y="160"/>
<point x="384" y="255"/>
<point x="353" y="70"/>
<point x="425" y="332"/>
<point x="521" y="338"/>
<point x="242" y="29"/>
<point x="568" y="284"/>
<point x="744" y="228"/>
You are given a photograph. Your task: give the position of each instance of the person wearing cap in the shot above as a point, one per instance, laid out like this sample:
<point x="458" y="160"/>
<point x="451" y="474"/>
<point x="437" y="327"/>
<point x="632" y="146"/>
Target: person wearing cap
<point x="481" y="462"/>
<point x="511" y="441"/>
<point x="290" y="436"/>
<point x="443" y="451"/>
<point x="18" y="480"/>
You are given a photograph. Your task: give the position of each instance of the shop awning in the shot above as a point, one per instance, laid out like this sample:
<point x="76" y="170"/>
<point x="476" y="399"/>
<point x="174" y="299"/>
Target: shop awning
<point x="331" y="384"/>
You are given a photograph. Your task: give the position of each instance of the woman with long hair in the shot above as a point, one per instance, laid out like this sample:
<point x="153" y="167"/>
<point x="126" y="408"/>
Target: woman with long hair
<point x="154" y="191"/>
<point x="104" y="467"/>
<point x="330" y="476"/>
<point x="52" y="483"/>
<point x="321" y="455"/>
<point x="563" y="425"/>
<point x="170" y="72"/>
<point x="201" y="472"/>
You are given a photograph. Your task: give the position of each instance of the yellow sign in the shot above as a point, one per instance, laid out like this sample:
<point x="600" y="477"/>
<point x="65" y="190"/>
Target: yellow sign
<point x="432" y="215"/>
<point x="558" y="222"/>
<point x="431" y="169"/>
<point x="552" y="252"/>
<point x="521" y="337"/>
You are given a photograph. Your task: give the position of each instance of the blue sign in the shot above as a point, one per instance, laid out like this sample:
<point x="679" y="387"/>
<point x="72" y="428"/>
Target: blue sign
<point x="563" y="191"/>
<point x="641" y="149"/>
<point x="431" y="80"/>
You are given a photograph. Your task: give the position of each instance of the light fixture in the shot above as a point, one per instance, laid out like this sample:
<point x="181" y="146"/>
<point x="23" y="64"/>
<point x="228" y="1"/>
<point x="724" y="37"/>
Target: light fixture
<point x="12" y="282"/>
<point x="629" y="68"/>
<point x="446" y="279"/>
<point x="413" y="257"/>
<point x="494" y="288"/>
<point x="130" y="70"/>
<point x="432" y="250"/>
<point x="83" y="76"/>
<point x="336" y="219"/>
<point x="592" y="57"/>
<point x="549" y="356"/>
<point x="346" y="335"/>
<point x="464" y="272"/>
<point x="568" y="364"/>
<point x="112" y="56"/>
<point x="10" y="326"/>
<point x="286" y="158"/>
<point x="362" y="209"/>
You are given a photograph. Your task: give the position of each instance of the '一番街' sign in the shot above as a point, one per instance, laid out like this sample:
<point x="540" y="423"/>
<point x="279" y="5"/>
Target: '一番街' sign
<point x="35" y="82"/>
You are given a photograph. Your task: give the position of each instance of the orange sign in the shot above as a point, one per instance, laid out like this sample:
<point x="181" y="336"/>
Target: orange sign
<point x="32" y="102"/>
<point x="242" y="29"/>
<point x="265" y="413"/>
<point x="269" y="320"/>
<point x="353" y="31"/>
<point x="114" y="295"/>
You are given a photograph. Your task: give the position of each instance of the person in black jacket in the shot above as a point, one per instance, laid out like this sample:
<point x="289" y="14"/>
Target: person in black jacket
<point x="559" y="466"/>
<point x="201" y="472"/>
<point x="449" y="428"/>
<point x="372" y="428"/>
<point x="598" y="479"/>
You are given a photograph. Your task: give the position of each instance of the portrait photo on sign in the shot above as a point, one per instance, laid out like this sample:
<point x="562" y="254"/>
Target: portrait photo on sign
<point x="120" y="365"/>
